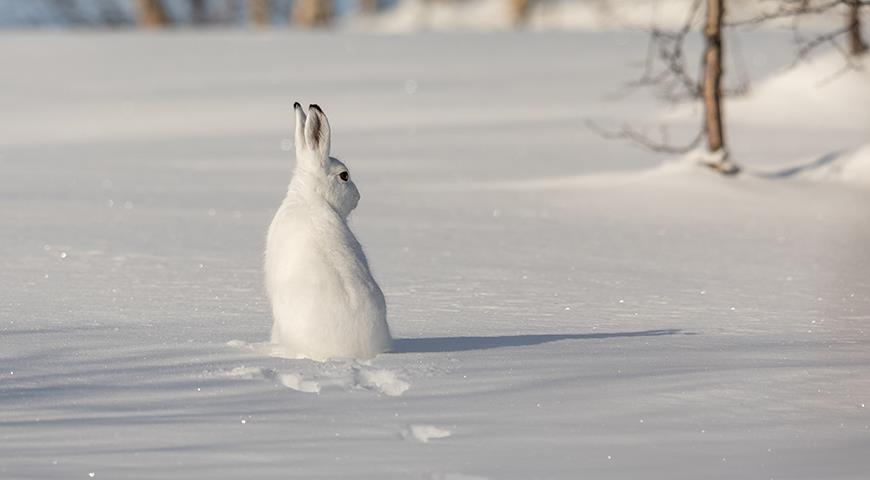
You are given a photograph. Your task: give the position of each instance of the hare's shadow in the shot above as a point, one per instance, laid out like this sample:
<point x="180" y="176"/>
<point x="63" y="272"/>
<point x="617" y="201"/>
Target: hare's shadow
<point x="464" y="344"/>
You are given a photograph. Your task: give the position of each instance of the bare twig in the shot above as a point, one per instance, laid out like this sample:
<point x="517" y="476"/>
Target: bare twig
<point x="798" y="9"/>
<point x="830" y="37"/>
<point x="787" y="9"/>
<point x="626" y="132"/>
<point x="665" y="49"/>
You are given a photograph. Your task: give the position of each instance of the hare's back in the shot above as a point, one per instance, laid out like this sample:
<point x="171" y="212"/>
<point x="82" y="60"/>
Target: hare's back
<point x="316" y="250"/>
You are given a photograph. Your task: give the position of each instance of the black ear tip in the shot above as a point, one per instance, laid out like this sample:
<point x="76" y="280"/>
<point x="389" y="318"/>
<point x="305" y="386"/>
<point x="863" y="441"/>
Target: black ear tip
<point x="296" y="106"/>
<point x="315" y="106"/>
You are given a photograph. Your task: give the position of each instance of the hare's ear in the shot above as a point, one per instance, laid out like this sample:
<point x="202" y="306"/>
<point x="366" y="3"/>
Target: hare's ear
<point x="317" y="133"/>
<point x="300" y="128"/>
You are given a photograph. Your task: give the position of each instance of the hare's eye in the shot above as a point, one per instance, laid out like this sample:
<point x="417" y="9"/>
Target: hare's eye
<point x="343" y="176"/>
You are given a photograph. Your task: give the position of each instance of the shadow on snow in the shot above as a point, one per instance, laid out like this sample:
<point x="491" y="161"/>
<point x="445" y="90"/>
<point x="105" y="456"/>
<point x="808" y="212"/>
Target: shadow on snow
<point x="821" y="162"/>
<point x="464" y="344"/>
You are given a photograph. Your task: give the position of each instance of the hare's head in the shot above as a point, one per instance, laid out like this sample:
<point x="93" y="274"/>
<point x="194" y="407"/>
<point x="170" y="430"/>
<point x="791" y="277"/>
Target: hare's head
<point x="317" y="173"/>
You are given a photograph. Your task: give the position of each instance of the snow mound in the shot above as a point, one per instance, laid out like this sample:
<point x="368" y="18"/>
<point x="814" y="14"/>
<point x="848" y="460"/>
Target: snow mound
<point x="820" y="93"/>
<point x="380" y="380"/>
<point x="314" y="377"/>
<point x="242" y="372"/>
<point x="349" y="376"/>
<point x="690" y="170"/>
<point x="854" y="168"/>
<point x="816" y="93"/>
<point x="850" y="167"/>
<point x="456" y="476"/>
<point x="337" y="373"/>
<point x="424" y="433"/>
<point x="297" y="382"/>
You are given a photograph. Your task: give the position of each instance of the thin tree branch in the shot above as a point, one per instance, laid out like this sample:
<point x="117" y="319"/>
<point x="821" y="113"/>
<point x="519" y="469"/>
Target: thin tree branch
<point x="626" y="132"/>
<point x="787" y="9"/>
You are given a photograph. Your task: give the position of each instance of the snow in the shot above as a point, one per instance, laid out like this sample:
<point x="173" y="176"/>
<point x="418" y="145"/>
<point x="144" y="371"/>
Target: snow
<point x="296" y="382"/>
<point x="822" y="90"/>
<point x="424" y="433"/>
<point x="851" y="167"/>
<point x="855" y="168"/>
<point x="563" y="306"/>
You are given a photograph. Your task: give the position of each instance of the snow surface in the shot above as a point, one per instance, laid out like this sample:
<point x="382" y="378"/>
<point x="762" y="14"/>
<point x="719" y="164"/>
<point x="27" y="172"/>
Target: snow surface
<point x="562" y="307"/>
<point x="852" y="168"/>
<point x="424" y="433"/>
<point x="822" y="92"/>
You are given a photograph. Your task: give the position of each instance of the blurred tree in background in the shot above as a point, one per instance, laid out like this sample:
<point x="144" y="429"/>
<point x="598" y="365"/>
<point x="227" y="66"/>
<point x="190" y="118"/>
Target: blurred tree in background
<point x="199" y="13"/>
<point x="368" y="7"/>
<point x="151" y="14"/>
<point x="320" y="13"/>
<point x="519" y="11"/>
<point x="258" y="12"/>
<point x="312" y="13"/>
<point x="797" y="9"/>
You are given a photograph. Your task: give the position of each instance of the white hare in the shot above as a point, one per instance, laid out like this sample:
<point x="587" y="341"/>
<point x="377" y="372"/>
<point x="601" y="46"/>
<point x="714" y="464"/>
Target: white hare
<point x="325" y="302"/>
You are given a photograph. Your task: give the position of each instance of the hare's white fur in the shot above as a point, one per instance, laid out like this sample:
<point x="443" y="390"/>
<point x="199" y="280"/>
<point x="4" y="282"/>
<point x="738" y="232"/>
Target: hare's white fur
<point x="325" y="302"/>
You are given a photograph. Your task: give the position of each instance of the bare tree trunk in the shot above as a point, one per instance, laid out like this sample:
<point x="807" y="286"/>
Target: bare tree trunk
<point x="198" y="13"/>
<point x="312" y="13"/>
<point x="258" y="12"/>
<point x="151" y="14"/>
<point x="111" y="14"/>
<point x="712" y="87"/>
<point x="857" y="45"/>
<point x="368" y="7"/>
<point x="68" y="12"/>
<point x="519" y="11"/>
